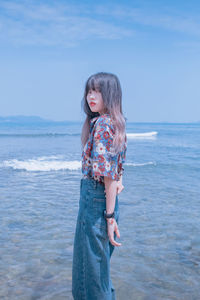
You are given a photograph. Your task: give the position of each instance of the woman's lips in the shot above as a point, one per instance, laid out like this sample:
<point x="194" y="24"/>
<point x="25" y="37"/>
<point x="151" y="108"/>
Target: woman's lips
<point x="92" y="103"/>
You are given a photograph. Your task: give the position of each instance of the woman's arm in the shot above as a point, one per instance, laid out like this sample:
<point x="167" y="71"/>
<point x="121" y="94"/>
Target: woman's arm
<point x="111" y="191"/>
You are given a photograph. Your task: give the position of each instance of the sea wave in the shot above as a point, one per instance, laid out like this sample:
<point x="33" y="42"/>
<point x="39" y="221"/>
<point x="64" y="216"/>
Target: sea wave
<point x="42" y="164"/>
<point x="144" y="135"/>
<point x="141" y="164"/>
<point x="149" y="135"/>
<point x="52" y="163"/>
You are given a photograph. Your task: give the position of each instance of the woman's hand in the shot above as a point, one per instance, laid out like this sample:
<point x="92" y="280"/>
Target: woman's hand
<point x="120" y="186"/>
<point x="111" y="228"/>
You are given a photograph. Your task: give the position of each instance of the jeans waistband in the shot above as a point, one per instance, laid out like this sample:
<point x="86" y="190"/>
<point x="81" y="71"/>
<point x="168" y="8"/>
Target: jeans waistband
<point x="91" y="182"/>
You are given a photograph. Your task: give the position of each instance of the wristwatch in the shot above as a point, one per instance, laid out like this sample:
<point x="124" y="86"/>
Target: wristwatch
<point x="108" y="216"/>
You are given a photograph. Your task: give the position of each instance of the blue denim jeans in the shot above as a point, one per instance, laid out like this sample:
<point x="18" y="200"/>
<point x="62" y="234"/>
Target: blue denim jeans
<point x="92" y="248"/>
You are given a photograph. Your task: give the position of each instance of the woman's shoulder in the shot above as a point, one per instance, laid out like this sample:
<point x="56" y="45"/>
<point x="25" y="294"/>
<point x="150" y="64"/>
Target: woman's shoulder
<point x="104" y="124"/>
<point x="104" y="120"/>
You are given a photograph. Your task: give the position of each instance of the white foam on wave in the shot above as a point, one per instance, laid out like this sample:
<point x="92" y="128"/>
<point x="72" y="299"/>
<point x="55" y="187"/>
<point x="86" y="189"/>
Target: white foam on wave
<point x="148" y="135"/>
<point x="50" y="157"/>
<point x="141" y="164"/>
<point x="42" y="164"/>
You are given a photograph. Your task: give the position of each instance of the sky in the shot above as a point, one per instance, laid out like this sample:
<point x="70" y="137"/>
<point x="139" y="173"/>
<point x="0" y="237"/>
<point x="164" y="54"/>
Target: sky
<point x="48" y="49"/>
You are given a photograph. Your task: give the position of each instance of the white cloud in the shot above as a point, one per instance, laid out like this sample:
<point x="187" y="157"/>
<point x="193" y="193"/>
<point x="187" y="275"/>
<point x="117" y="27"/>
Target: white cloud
<point x="62" y="24"/>
<point x="179" y="22"/>
<point x="28" y="23"/>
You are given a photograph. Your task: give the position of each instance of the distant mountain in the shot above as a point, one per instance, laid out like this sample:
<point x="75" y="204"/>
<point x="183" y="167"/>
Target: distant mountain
<point x="22" y="120"/>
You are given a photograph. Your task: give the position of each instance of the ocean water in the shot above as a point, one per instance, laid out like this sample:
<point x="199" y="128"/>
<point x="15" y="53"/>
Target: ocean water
<point x="159" y="223"/>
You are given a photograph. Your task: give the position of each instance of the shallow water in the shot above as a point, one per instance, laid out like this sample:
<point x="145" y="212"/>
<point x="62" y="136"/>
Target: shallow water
<point x="159" y="213"/>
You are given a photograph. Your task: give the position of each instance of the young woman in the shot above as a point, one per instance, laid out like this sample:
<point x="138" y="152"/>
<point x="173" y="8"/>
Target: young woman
<point x="104" y="151"/>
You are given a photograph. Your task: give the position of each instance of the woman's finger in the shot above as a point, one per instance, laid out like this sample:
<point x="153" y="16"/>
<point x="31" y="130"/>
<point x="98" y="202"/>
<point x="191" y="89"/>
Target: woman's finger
<point x="111" y="231"/>
<point x="114" y="243"/>
<point x="119" y="189"/>
<point x="117" y="231"/>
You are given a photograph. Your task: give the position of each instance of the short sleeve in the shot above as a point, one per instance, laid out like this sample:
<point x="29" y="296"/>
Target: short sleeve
<point x="103" y="162"/>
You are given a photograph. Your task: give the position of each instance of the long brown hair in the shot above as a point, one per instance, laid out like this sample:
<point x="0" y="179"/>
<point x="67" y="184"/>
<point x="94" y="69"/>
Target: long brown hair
<point x="109" y="86"/>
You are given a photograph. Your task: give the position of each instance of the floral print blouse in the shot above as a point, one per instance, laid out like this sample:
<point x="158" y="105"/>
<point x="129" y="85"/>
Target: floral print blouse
<point x="97" y="158"/>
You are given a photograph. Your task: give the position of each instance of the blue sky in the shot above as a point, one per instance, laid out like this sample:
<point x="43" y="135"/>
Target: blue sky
<point x="48" y="49"/>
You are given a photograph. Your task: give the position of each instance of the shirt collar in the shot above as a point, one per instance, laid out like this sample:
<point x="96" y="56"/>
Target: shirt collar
<point x="95" y="118"/>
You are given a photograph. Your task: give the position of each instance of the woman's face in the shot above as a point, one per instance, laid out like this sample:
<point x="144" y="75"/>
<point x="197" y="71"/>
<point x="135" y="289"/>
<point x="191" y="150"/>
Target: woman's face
<point x="95" y="101"/>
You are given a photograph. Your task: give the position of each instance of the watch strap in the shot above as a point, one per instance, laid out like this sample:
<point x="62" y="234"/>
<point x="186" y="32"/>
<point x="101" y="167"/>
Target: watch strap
<point x="107" y="216"/>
